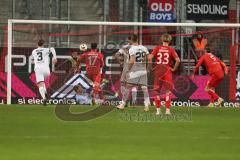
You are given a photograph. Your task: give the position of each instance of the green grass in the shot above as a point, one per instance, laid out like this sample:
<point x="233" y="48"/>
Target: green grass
<point x="34" y="133"/>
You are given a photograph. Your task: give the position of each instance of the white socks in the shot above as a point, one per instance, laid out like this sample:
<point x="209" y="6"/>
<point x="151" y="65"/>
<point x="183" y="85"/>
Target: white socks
<point x="146" y="96"/>
<point x="42" y="91"/>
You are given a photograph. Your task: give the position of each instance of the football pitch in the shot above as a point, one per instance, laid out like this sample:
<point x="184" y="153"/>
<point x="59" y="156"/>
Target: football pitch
<point x="35" y="133"/>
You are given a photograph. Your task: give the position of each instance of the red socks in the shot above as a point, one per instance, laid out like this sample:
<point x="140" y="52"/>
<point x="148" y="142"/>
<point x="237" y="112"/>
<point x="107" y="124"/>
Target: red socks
<point x="213" y="95"/>
<point x="157" y="102"/>
<point x="168" y="101"/>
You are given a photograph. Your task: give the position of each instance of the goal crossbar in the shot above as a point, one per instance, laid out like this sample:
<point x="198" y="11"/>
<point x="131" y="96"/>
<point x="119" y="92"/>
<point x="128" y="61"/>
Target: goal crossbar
<point x="100" y="23"/>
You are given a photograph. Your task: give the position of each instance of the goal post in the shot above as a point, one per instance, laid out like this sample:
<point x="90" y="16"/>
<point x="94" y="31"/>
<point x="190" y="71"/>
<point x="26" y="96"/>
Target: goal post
<point x="12" y="22"/>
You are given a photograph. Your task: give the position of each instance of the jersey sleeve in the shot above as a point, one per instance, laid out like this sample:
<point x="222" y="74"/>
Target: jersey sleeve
<point x="154" y="52"/>
<point x="120" y="51"/>
<point x="82" y="57"/>
<point x="146" y="50"/>
<point x="132" y="52"/>
<point x="101" y="59"/>
<point x="52" y="50"/>
<point x="32" y="57"/>
<point x="174" y="54"/>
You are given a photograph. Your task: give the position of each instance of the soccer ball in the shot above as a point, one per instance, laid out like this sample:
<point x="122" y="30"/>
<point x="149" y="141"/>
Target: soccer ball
<point x="83" y="47"/>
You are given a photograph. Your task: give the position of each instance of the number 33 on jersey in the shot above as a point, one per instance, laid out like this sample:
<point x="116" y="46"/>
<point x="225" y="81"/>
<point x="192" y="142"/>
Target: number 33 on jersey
<point x="164" y="55"/>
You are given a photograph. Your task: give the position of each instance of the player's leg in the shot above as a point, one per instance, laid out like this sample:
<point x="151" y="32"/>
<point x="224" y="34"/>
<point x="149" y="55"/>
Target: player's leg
<point x="168" y="102"/>
<point x="134" y="95"/>
<point x="143" y="82"/>
<point x="41" y="85"/>
<point x="210" y="92"/>
<point x="168" y="83"/>
<point x="157" y="101"/>
<point x="213" y="82"/>
<point x="42" y="89"/>
<point x="47" y="79"/>
<point x="125" y="95"/>
<point x="129" y="83"/>
<point x="98" y="94"/>
<point x="146" y="98"/>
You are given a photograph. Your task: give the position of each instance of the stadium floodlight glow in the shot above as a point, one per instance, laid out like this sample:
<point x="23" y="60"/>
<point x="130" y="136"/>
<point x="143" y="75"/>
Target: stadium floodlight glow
<point x="98" y="23"/>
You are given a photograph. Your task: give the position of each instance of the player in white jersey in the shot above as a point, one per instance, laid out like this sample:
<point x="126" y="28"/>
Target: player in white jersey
<point x="137" y="71"/>
<point x="42" y="71"/>
<point x="122" y="57"/>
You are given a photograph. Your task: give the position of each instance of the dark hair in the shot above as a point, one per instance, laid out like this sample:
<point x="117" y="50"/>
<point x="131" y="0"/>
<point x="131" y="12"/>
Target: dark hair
<point x="93" y="45"/>
<point x="40" y="42"/>
<point x="133" y="38"/>
<point x="208" y="49"/>
<point x="75" y="88"/>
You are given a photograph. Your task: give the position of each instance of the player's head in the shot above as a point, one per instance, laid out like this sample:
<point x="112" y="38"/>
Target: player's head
<point x="208" y="49"/>
<point x="78" y="89"/>
<point x="133" y="38"/>
<point x="94" y="46"/>
<point x="166" y="38"/>
<point x="199" y="36"/>
<point x="40" y="42"/>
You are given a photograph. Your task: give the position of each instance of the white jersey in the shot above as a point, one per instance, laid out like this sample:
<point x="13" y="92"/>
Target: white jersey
<point x="41" y="62"/>
<point x="41" y="56"/>
<point x="124" y="51"/>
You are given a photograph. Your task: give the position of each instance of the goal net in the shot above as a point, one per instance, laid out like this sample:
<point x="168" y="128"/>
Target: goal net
<point x="18" y="82"/>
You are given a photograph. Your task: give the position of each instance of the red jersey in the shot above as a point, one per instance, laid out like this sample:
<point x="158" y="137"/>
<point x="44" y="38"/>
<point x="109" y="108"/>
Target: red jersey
<point x="93" y="60"/>
<point x="164" y="55"/>
<point x="211" y="62"/>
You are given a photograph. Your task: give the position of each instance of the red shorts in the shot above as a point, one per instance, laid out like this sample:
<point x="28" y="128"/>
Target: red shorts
<point x="215" y="79"/>
<point x="96" y="78"/>
<point x="164" y="80"/>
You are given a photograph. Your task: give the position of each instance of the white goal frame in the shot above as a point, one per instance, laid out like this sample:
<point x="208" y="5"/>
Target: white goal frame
<point x="99" y="23"/>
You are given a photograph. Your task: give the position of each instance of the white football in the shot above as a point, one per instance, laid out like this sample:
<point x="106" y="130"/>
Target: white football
<point x="83" y="47"/>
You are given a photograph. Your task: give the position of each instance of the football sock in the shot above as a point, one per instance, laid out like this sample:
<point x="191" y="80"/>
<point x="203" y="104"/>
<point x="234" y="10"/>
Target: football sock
<point x="146" y="96"/>
<point x="213" y="94"/>
<point x="157" y="102"/>
<point x="211" y="98"/>
<point x="42" y="92"/>
<point x="168" y="101"/>
<point x="125" y="95"/>
<point x="122" y="90"/>
<point x="134" y="94"/>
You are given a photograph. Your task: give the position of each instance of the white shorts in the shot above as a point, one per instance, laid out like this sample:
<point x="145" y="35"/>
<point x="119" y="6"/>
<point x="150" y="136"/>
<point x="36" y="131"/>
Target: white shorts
<point x="137" y="77"/>
<point x="42" y="74"/>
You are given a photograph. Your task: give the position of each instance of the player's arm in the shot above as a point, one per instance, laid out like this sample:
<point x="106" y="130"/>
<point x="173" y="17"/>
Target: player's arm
<point x="131" y="62"/>
<point x="32" y="58"/>
<point x="197" y="66"/>
<point x="224" y="66"/>
<point x="79" y="60"/>
<point x="195" y="44"/>
<point x="149" y="57"/>
<point x="177" y="62"/>
<point x="78" y="66"/>
<point x="101" y="60"/>
<point x="205" y="41"/>
<point x="117" y="57"/>
<point x="54" y="60"/>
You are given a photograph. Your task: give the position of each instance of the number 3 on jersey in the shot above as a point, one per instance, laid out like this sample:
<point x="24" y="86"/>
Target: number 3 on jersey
<point x="163" y="58"/>
<point x="40" y="56"/>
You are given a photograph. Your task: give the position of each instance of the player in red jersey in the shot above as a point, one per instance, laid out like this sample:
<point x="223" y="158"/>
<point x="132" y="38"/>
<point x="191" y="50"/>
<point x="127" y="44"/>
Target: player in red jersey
<point x="216" y="69"/>
<point x="94" y="63"/>
<point x="164" y="57"/>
